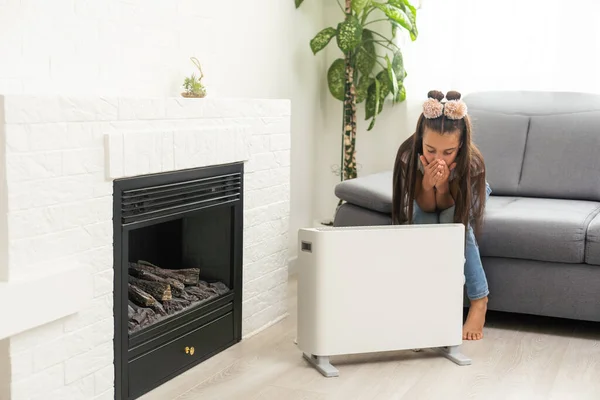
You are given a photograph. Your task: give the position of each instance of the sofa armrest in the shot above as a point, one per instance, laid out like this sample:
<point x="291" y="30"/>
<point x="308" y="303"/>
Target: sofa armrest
<point x="373" y="192"/>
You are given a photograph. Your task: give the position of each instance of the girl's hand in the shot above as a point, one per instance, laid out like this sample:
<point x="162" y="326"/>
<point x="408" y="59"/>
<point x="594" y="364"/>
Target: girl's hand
<point x="441" y="184"/>
<point x="433" y="172"/>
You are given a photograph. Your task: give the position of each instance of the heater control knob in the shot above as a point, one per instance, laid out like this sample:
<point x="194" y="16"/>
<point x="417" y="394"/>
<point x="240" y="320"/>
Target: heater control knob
<point x="189" y="350"/>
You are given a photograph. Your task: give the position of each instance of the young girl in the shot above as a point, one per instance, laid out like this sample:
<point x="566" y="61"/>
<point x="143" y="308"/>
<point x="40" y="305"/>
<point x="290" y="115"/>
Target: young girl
<point x="439" y="177"/>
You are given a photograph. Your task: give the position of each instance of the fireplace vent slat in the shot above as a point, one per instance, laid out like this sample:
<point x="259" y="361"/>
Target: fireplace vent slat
<point x="153" y="202"/>
<point x="173" y="187"/>
<point x="190" y="195"/>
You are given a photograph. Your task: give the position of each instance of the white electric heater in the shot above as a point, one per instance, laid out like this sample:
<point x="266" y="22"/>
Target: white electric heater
<point x="380" y="288"/>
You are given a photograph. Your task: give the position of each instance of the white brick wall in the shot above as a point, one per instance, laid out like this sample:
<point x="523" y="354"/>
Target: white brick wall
<point x="61" y="154"/>
<point x="142" y="48"/>
<point x="3" y="203"/>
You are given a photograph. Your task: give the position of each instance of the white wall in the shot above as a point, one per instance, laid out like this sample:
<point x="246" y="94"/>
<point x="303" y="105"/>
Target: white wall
<point x="5" y="368"/>
<point x="143" y="47"/>
<point x="534" y="45"/>
<point x="468" y="45"/>
<point x="252" y="49"/>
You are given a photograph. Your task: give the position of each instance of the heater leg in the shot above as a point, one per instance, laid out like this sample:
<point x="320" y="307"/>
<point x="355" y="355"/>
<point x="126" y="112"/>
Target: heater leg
<point x="322" y="364"/>
<point x="453" y="354"/>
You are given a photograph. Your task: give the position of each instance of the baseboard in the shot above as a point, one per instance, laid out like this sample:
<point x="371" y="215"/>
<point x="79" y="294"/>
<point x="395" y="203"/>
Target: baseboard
<point x="270" y="324"/>
<point x="292" y="266"/>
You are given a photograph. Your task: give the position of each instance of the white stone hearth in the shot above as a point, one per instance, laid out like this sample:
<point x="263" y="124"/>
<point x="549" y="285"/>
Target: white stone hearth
<point x="58" y="158"/>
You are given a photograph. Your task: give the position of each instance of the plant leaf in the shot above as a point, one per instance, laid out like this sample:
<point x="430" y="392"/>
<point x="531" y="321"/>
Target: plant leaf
<point x="386" y="86"/>
<point x="298" y="2"/>
<point x="396" y="15"/>
<point x="372" y="98"/>
<point x="392" y="76"/>
<point x="378" y="102"/>
<point x="376" y="94"/>
<point x="412" y="8"/>
<point x="349" y="34"/>
<point x="401" y="96"/>
<point x="367" y="55"/>
<point x="378" y="106"/>
<point x="359" y="5"/>
<point x="336" y="78"/>
<point x="362" y="88"/>
<point x="398" y="66"/>
<point x="411" y="13"/>
<point x="371" y="125"/>
<point x="322" y="39"/>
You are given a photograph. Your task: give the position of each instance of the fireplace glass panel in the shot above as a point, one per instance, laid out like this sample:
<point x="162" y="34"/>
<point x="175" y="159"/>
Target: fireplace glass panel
<point x="179" y="264"/>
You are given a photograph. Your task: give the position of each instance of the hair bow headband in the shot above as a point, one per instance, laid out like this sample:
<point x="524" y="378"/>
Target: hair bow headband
<point x="452" y="109"/>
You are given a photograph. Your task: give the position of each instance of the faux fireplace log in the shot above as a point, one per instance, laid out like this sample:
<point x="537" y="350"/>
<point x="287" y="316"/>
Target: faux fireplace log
<point x="146" y="300"/>
<point x="158" y="290"/>
<point x="140" y="297"/>
<point x="175" y="305"/>
<point x="189" y="276"/>
<point x="149" y="276"/>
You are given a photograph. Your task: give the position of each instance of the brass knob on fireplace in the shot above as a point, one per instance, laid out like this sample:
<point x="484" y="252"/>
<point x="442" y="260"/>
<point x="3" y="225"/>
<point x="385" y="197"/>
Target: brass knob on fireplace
<point x="189" y="350"/>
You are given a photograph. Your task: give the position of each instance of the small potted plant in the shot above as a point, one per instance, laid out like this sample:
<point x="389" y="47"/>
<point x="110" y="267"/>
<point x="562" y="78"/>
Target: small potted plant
<point x="192" y="84"/>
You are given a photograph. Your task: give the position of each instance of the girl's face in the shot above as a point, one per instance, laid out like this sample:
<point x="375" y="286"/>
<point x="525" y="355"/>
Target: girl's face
<point x="442" y="147"/>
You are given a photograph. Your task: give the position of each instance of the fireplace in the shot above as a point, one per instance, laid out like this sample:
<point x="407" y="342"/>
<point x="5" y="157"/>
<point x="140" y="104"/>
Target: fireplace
<point x="59" y="160"/>
<point x="178" y="272"/>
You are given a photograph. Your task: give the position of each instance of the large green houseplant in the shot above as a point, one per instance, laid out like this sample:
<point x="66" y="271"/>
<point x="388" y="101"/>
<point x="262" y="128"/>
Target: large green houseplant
<point x="371" y="69"/>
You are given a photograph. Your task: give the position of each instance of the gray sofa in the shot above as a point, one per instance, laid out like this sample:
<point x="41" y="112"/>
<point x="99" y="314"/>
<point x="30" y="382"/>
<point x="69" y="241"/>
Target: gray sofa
<point x="541" y="239"/>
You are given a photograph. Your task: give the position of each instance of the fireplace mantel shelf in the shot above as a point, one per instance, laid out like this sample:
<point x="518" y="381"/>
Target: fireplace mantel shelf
<point x="29" y="303"/>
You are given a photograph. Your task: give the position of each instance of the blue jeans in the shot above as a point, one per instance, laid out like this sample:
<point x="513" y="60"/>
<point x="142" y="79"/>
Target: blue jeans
<point x="476" y="281"/>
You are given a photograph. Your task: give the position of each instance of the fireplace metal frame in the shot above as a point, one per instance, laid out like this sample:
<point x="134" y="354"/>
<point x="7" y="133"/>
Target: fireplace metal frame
<point x="225" y="311"/>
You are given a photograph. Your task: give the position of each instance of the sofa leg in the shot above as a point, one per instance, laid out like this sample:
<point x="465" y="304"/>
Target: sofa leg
<point x="453" y="353"/>
<point x="322" y="364"/>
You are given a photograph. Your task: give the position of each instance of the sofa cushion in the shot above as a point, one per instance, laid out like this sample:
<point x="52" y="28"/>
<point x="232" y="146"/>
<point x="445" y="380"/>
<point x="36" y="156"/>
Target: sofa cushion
<point x="561" y="157"/>
<point x="501" y="139"/>
<point x="373" y="192"/>
<point x="592" y="250"/>
<point x="352" y="215"/>
<point x="561" y="139"/>
<point x="537" y="229"/>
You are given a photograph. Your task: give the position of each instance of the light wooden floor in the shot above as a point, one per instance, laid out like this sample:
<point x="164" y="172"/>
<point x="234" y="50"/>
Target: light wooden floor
<point x="520" y="358"/>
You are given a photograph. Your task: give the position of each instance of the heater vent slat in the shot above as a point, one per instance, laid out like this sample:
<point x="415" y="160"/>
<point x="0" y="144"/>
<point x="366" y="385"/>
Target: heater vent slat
<point x="175" y="198"/>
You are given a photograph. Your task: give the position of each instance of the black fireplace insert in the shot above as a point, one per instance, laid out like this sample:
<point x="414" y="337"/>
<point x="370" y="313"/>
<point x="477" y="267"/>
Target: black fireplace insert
<point x="178" y="272"/>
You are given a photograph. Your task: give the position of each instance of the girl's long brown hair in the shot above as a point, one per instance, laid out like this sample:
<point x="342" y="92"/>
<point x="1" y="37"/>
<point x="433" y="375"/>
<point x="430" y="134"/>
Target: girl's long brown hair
<point x="469" y="171"/>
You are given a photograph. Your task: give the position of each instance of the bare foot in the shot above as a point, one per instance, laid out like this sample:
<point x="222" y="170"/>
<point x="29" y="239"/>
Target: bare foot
<point x="473" y="327"/>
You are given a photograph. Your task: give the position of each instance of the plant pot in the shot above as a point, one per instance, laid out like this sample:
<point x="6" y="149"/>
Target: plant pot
<point x="192" y="95"/>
